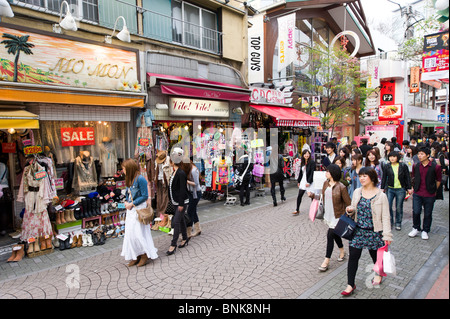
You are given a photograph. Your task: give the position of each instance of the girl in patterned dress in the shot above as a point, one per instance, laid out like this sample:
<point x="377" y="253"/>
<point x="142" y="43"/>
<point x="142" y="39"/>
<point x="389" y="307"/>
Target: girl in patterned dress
<point x="370" y="209"/>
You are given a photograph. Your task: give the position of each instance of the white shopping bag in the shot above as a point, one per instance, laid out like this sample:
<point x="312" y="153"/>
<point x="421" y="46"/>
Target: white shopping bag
<point x="389" y="263"/>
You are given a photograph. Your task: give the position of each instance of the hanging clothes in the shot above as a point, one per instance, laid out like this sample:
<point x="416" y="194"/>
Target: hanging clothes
<point x="108" y="158"/>
<point x="85" y="174"/>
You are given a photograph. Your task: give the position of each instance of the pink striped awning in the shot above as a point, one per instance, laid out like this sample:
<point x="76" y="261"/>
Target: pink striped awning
<point x="287" y="116"/>
<point x="200" y="88"/>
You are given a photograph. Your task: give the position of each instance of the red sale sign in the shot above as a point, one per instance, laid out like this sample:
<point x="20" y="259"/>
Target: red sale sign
<point x="77" y="136"/>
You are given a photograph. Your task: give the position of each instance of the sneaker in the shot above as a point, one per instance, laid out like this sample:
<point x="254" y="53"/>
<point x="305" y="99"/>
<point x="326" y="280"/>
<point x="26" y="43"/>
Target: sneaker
<point x="424" y="235"/>
<point x="398" y="228"/>
<point x="414" y="232"/>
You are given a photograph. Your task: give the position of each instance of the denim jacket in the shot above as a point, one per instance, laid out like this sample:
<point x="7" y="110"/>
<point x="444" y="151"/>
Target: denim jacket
<point x="148" y="118"/>
<point x="139" y="191"/>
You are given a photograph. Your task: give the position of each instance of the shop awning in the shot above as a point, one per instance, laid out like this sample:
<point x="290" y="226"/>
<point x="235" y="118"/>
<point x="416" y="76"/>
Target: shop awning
<point x="200" y="88"/>
<point x="24" y="92"/>
<point x="427" y="123"/>
<point x="18" y="119"/>
<point x="287" y="116"/>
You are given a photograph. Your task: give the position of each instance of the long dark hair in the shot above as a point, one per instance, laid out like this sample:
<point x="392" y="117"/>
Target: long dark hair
<point x="304" y="162"/>
<point x="131" y="171"/>
<point x="374" y="153"/>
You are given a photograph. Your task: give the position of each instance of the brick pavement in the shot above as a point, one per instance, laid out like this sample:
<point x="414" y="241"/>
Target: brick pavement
<point x="251" y="252"/>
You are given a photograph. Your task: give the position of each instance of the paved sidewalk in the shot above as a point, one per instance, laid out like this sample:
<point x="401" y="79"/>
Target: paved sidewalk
<point x="251" y="252"/>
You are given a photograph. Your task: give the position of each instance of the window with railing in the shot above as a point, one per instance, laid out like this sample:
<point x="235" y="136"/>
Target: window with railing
<point x="81" y="9"/>
<point x="183" y="23"/>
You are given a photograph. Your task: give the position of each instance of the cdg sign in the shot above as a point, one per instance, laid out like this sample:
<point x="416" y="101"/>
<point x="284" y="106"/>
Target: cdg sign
<point x="266" y="95"/>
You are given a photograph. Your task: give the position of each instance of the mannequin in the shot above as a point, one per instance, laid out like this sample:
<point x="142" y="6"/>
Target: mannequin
<point x="163" y="171"/>
<point x="85" y="174"/>
<point x="108" y="157"/>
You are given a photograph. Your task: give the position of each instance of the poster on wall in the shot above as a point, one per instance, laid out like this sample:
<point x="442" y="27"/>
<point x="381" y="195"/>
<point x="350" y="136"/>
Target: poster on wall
<point x="435" y="58"/>
<point x="390" y="112"/>
<point x="63" y="62"/>
<point x="287" y="52"/>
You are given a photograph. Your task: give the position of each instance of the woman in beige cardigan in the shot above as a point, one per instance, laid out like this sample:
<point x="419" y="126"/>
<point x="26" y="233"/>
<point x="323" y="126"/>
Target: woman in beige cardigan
<point x="370" y="210"/>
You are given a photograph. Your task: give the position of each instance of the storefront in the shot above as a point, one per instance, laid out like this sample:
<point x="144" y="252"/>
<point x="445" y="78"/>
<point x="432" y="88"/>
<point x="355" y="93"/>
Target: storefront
<point x="80" y="96"/>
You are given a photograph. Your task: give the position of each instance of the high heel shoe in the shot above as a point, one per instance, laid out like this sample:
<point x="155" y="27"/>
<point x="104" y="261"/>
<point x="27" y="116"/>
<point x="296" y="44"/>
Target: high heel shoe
<point x="347" y="294"/>
<point x="374" y="283"/>
<point x="184" y="244"/>
<point x="168" y="253"/>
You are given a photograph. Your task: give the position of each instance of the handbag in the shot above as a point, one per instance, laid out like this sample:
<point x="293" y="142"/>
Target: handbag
<point x="145" y="215"/>
<point x="345" y="227"/>
<point x="320" y="210"/>
<point x="389" y="263"/>
<point x="170" y="210"/>
<point x="316" y="210"/>
<point x="238" y="178"/>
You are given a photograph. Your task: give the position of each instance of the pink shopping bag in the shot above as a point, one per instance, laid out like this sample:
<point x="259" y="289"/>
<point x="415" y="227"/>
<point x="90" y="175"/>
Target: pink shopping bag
<point x="313" y="209"/>
<point x="378" y="267"/>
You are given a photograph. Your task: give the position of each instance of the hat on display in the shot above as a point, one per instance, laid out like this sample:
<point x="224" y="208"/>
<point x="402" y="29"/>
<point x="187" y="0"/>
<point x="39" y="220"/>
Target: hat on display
<point x="161" y="157"/>
<point x="93" y="194"/>
<point x="67" y="203"/>
<point x="106" y="139"/>
<point x="177" y="155"/>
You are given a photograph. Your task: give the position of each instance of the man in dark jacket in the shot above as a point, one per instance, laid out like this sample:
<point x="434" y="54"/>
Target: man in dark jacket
<point x="427" y="179"/>
<point x="243" y="168"/>
<point x="276" y="176"/>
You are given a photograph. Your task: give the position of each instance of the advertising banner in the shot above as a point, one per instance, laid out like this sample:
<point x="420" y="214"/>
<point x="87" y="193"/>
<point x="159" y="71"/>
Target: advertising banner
<point x="435" y="60"/>
<point x="286" y="41"/>
<point x="373" y="80"/>
<point x="414" y="82"/>
<point x="390" y="112"/>
<point x="256" y="50"/>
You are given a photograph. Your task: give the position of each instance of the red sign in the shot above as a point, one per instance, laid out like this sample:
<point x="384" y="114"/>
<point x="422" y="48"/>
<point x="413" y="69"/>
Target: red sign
<point x="390" y="112"/>
<point x="30" y="150"/>
<point x="77" y="136"/>
<point x="9" y="147"/>
<point x="387" y="92"/>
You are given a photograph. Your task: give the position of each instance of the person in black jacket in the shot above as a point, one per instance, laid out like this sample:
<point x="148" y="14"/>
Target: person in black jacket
<point x="396" y="181"/>
<point x="178" y="195"/>
<point x="244" y="168"/>
<point x="276" y="175"/>
<point x="305" y="177"/>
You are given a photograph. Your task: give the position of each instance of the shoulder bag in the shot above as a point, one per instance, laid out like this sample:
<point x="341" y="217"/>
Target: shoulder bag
<point x="239" y="178"/>
<point x="345" y="228"/>
<point x="145" y="215"/>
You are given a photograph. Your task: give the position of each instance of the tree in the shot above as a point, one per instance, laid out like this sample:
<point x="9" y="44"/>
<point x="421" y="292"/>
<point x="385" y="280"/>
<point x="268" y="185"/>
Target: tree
<point x="336" y="77"/>
<point x="15" y="45"/>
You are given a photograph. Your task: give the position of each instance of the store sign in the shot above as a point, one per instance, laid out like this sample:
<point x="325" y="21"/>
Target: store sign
<point x="267" y="96"/>
<point x="387" y="92"/>
<point x="63" y="62"/>
<point x="390" y="112"/>
<point x="414" y="82"/>
<point x="441" y="118"/>
<point x="256" y="49"/>
<point x="77" y="136"/>
<point x="373" y="79"/>
<point x="435" y="58"/>
<point x="9" y="148"/>
<point x="287" y="52"/>
<point x="196" y="107"/>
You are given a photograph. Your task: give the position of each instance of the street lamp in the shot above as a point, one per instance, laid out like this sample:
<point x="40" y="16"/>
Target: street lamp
<point x="123" y="35"/>
<point x="5" y="9"/>
<point x="68" y="23"/>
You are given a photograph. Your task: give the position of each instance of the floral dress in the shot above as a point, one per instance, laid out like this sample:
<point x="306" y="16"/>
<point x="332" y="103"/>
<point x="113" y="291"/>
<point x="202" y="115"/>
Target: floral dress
<point x="365" y="237"/>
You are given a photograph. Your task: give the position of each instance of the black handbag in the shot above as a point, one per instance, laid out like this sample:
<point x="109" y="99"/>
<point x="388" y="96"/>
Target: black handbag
<point x="346" y="227"/>
<point x="170" y="208"/>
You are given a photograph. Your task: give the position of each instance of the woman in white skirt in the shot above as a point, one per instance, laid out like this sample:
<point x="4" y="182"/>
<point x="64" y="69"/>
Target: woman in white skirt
<point x="138" y="244"/>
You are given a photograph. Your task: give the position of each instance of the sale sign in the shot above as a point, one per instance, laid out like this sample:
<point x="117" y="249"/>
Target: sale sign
<point x="77" y="136"/>
<point x="9" y="148"/>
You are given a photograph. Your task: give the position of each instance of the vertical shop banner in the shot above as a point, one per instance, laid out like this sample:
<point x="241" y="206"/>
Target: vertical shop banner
<point x="387" y="92"/>
<point x="414" y="82"/>
<point x="286" y="41"/>
<point x="256" y="50"/>
<point x="435" y="58"/>
<point x="373" y="80"/>
<point x="77" y="136"/>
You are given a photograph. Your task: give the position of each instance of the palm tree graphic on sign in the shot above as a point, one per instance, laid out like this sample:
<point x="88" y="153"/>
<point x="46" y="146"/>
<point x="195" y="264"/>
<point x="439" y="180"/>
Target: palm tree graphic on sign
<point x="15" y="45"/>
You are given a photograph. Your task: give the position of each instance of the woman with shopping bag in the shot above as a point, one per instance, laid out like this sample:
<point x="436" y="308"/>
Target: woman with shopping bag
<point x="370" y="210"/>
<point x="335" y="199"/>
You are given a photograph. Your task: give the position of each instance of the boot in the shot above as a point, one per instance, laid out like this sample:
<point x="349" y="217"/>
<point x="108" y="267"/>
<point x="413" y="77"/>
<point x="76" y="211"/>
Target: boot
<point x="93" y="207"/>
<point x="89" y="207"/>
<point x="43" y="243"/>
<point x="74" y="242"/>
<point x="77" y="212"/>
<point x="84" y="208"/>
<point x="98" y="204"/>
<point x="19" y="253"/>
<point x="67" y="216"/>
<point x="13" y="255"/>
<point x="275" y="203"/>
<point x="30" y="249"/>
<point x="48" y="242"/>
<point x="143" y="260"/>
<point x="63" y="221"/>
<point x="72" y="215"/>
<point x="197" y="229"/>
<point x="189" y="231"/>
<point x="134" y="262"/>
<point x="58" y="218"/>
<point x="36" y="246"/>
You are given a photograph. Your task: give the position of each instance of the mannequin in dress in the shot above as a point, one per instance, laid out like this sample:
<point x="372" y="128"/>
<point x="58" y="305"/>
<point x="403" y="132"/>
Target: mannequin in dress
<point x="85" y="174"/>
<point x="108" y="157"/>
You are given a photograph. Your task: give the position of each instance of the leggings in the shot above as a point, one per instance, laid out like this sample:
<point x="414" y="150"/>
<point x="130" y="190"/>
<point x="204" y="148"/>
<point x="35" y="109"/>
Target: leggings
<point x="353" y="259"/>
<point x="331" y="238"/>
<point x="301" y="192"/>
